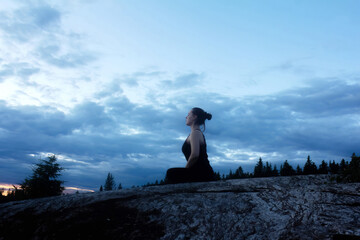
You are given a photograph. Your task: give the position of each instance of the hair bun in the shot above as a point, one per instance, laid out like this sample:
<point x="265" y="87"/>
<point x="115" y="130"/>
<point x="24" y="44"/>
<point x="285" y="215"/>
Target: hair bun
<point x="208" y="116"/>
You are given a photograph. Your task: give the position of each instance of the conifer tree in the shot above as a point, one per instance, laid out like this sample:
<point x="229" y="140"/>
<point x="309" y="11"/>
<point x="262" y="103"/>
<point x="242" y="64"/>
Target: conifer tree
<point x="109" y="183"/>
<point x="267" y="170"/>
<point x="217" y="176"/>
<point x="286" y="169"/>
<point x="343" y="165"/>
<point x="259" y="168"/>
<point x="239" y="173"/>
<point x="323" y="168"/>
<point x="275" y="172"/>
<point x="101" y="188"/>
<point x="44" y="182"/>
<point x="310" y="167"/>
<point x="334" y="167"/>
<point x="352" y="172"/>
<point x="299" y="170"/>
<point x="119" y="187"/>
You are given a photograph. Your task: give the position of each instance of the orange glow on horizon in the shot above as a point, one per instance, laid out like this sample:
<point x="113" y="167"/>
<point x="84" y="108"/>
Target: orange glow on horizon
<point x="70" y="190"/>
<point x="6" y="187"/>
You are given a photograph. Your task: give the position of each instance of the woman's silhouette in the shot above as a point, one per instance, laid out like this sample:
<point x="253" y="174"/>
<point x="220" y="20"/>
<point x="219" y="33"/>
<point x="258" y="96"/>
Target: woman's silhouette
<point x="197" y="168"/>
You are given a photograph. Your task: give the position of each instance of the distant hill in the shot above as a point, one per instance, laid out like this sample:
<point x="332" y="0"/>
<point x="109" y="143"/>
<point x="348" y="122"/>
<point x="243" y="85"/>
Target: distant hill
<point x="296" y="207"/>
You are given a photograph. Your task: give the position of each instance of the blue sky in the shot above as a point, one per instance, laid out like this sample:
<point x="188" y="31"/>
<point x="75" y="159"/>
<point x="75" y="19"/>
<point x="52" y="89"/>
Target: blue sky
<point x="106" y="85"/>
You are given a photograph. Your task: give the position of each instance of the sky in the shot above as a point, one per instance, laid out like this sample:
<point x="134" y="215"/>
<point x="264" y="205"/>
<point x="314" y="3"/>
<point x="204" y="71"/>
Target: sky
<point x="106" y="85"/>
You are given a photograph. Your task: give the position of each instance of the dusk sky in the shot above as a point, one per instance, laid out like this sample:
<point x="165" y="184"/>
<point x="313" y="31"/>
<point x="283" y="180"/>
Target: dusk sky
<point x="106" y="85"/>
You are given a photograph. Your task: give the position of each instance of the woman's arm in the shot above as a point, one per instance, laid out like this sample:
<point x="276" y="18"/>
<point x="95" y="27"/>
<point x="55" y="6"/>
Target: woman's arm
<point x="195" y="137"/>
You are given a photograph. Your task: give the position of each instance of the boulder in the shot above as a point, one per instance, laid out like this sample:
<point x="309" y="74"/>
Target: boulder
<point x="295" y="207"/>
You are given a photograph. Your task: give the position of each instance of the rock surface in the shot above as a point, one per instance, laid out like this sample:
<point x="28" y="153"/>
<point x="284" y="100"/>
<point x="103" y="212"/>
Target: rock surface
<point x="297" y="207"/>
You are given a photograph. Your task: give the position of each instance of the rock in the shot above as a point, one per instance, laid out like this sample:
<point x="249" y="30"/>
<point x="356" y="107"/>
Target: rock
<point x="297" y="207"/>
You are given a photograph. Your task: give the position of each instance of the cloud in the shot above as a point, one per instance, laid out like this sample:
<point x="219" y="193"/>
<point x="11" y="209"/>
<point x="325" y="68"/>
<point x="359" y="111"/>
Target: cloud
<point x="22" y="70"/>
<point x="73" y="58"/>
<point x="183" y="81"/>
<point x="139" y="142"/>
<point x="27" y="21"/>
<point x="44" y="16"/>
<point x="34" y="31"/>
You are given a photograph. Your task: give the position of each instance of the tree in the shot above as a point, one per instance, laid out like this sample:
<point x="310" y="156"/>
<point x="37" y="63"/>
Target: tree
<point x="101" y="188"/>
<point x="310" y="167"/>
<point x="44" y="180"/>
<point x="286" y="169"/>
<point x="343" y="165"/>
<point x="323" y="168"/>
<point x="352" y="172"/>
<point x="217" y="176"/>
<point x="275" y="172"/>
<point x="109" y="183"/>
<point x="268" y="171"/>
<point x="334" y="167"/>
<point x="259" y="168"/>
<point x="239" y="173"/>
<point x="119" y="187"/>
<point x="299" y="170"/>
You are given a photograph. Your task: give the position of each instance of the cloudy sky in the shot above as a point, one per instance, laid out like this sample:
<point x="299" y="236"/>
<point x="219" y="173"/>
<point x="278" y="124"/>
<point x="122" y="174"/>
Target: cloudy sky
<point x="106" y="85"/>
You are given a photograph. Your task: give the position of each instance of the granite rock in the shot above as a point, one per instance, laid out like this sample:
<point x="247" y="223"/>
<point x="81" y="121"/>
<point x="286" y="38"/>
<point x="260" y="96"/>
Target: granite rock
<point x="296" y="207"/>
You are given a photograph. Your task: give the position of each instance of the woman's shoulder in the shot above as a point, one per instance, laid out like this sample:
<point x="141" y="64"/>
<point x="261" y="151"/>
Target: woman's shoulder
<point x="197" y="134"/>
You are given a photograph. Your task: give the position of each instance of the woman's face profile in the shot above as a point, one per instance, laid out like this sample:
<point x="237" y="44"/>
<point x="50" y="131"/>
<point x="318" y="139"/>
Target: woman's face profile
<point x="190" y="118"/>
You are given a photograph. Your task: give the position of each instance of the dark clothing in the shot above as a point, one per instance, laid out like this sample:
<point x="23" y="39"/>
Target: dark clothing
<point x="200" y="171"/>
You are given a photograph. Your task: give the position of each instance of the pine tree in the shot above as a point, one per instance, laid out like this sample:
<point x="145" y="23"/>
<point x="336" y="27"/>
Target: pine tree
<point x="217" y="176"/>
<point x="230" y="175"/>
<point x="43" y="182"/>
<point x="310" y="167"/>
<point x="275" y="172"/>
<point x="101" y="188"/>
<point x="343" y="165"/>
<point x="259" y="168"/>
<point x="299" y="170"/>
<point x="119" y="187"/>
<point x="323" y="168"/>
<point x="286" y="169"/>
<point x="239" y="173"/>
<point x="109" y="183"/>
<point x="352" y="172"/>
<point x="334" y="167"/>
<point x="267" y="170"/>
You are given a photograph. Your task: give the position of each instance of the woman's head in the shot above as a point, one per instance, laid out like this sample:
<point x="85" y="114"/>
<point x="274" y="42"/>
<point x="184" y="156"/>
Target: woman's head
<point x="197" y="116"/>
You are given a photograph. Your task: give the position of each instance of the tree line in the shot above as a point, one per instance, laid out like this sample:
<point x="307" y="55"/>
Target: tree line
<point x="345" y="171"/>
<point x="44" y="181"/>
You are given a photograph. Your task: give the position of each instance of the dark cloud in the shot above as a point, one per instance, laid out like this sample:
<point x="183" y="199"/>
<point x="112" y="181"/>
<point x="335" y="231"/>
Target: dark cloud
<point x="138" y="142"/>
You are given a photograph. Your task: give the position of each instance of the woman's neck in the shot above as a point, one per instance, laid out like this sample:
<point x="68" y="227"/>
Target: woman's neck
<point x="195" y="127"/>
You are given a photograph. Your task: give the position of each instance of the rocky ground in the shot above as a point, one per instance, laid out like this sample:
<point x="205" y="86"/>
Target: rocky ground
<point x="298" y="207"/>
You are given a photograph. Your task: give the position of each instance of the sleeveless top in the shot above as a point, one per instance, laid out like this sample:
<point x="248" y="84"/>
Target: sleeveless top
<point x="202" y="163"/>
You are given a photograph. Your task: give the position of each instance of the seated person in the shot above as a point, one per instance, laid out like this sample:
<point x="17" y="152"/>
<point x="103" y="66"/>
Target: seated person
<point x="197" y="168"/>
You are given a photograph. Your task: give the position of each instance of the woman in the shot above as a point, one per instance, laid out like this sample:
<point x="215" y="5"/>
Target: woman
<point x="197" y="168"/>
